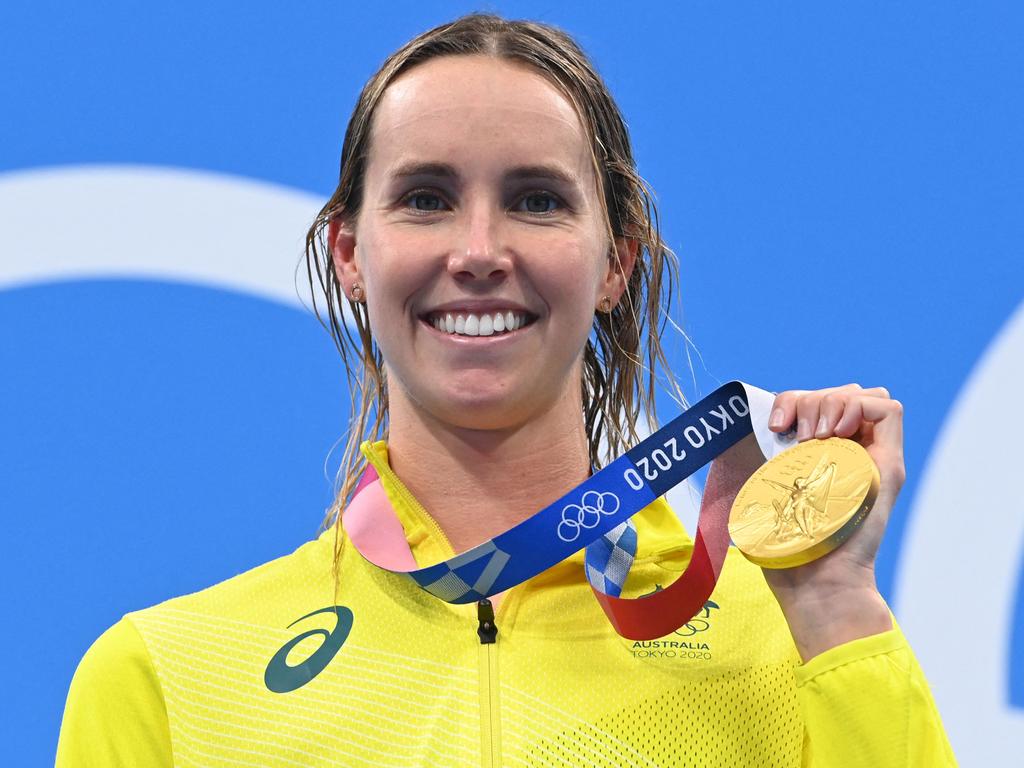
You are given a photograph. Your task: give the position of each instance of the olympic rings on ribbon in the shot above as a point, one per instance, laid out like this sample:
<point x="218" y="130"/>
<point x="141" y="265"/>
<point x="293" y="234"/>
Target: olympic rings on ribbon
<point x="586" y="514"/>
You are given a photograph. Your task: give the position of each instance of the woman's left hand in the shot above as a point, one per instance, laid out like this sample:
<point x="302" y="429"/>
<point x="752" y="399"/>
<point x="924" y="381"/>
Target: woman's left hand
<point x="835" y="598"/>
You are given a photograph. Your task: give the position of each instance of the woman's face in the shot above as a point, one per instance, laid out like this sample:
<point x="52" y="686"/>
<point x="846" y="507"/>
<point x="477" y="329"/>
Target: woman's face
<point x="480" y="244"/>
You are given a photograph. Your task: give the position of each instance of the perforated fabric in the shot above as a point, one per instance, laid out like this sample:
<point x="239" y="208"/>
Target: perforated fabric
<point x="410" y="684"/>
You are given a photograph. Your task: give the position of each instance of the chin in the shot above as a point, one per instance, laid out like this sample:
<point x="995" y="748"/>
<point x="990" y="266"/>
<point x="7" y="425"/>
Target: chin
<point x="485" y="410"/>
<point x="481" y="414"/>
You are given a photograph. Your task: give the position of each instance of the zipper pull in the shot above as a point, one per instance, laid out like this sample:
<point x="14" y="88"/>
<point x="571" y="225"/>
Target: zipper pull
<point x="487" y="630"/>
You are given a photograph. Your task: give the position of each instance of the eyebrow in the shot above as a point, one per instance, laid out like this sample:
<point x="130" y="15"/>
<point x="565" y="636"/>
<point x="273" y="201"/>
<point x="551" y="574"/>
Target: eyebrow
<point x="541" y="172"/>
<point x="415" y="168"/>
<point x="444" y="170"/>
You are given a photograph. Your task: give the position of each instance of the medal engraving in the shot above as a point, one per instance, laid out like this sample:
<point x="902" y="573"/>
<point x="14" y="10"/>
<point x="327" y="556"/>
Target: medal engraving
<point x="804" y="503"/>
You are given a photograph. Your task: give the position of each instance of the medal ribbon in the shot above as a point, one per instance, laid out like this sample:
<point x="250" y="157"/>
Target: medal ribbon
<point x="595" y="515"/>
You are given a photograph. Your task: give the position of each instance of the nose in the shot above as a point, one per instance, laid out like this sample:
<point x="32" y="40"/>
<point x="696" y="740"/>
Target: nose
<point x="479" y="253"/>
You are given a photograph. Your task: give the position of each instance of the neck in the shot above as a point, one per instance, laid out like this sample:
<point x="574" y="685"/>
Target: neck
<point x="478" y="483"/>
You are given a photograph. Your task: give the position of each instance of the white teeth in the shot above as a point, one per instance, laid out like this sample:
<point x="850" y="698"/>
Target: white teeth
<point x="478" y="325"/>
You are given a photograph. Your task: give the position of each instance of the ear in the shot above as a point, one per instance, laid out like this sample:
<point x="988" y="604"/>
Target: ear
<point x="621" y="261"/>
<point x="342" y="238"/>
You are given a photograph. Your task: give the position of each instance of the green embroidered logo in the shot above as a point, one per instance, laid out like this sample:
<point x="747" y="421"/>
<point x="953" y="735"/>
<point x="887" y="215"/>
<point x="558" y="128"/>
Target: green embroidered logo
<point x="670" y="647"/>
<point x="280" y="677"/>
<point x="698" y="623"/>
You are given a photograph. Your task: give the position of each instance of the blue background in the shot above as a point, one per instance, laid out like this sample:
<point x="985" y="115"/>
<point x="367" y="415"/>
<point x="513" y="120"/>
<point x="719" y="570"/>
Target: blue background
<point x="842" y="183"/>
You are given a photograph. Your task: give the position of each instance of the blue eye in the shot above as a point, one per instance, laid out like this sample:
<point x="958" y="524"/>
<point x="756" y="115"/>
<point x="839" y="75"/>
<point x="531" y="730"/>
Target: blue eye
<point x="539" y="202"/>
<point x="425" y="201"/>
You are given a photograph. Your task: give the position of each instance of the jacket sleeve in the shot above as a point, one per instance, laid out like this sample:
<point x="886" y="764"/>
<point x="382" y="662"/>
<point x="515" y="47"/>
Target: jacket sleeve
<point x="867" y="703"/>
<point x="115" y="713"/>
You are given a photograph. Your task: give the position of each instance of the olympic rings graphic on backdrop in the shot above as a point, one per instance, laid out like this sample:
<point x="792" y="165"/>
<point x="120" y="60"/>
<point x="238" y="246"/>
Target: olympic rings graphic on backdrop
<point x="586" y="514"/>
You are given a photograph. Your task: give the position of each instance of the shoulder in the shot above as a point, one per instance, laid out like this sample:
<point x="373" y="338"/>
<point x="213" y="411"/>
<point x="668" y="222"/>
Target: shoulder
<point x="120" y="643"/>
<point x="266" y="595"/>
<point x="117" y="656"/>
<point x="115" y="709"/>
<point x="128" y="691"/>
<point x="125" y="651"/>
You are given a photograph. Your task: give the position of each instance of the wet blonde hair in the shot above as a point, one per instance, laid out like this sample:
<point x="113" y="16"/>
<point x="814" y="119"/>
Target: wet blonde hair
<point x="624" y="351"/>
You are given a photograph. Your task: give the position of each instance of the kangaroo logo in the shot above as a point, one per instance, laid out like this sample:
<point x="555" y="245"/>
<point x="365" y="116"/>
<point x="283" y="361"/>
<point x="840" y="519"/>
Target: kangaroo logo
<point x="281" y="677"/>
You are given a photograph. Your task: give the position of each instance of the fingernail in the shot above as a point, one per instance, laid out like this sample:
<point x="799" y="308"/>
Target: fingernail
<point x="822" y="429"/>
<point x="803" y="429"/>
<point x="776" y="419"/>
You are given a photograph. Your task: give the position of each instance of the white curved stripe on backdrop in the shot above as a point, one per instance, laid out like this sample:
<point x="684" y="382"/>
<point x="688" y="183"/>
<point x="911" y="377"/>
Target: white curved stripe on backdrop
<point x="80" y="222"/>
<point x="962" y="554"/>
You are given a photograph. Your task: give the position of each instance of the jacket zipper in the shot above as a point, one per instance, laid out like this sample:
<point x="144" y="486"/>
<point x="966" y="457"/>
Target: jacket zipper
<point x="490" y="725"/>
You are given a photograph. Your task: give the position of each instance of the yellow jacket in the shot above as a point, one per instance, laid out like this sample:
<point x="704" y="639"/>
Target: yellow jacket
<point x="388" y="675"/>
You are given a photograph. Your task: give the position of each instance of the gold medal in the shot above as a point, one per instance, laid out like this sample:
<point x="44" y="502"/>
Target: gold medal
<point x="804" y="503"/>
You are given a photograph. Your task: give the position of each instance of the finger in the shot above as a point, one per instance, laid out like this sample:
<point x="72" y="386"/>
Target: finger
<point x="852" y="415"/>
<point x="784" y="410"/>
<point x="842" y="389"/>
<point x="886" y="419"/>
<point x="808" y="407"/>
<point x="876" y="400"/>
<point x="877" y="410"/>
<point x="832" y="406"/>
<point x="876" y="392"/>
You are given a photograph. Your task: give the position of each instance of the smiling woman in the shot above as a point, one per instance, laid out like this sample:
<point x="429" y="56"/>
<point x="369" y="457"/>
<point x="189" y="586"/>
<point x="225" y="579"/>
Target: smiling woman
<point x="497" y="140"/>
<point x="501" y="259"/>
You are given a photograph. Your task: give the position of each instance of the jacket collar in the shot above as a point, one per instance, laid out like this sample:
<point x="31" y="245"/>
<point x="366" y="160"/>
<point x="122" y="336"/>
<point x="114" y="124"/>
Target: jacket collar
<point x="659" y="529"/>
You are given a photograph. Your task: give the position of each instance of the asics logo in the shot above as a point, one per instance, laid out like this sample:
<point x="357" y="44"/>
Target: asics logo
<point x="282" y="677"/>
<point x="587" y="514"/>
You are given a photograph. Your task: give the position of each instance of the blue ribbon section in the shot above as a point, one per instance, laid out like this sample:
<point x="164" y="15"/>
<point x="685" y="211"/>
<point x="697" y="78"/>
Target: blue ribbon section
<point x="596" y="513"/>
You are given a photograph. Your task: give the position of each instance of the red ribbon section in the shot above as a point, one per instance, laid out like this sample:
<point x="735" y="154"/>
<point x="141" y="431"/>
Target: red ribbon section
<point x="657" y="614"/>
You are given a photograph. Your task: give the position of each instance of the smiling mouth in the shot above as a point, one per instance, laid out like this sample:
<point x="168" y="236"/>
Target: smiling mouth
<point x="479" y="323"/>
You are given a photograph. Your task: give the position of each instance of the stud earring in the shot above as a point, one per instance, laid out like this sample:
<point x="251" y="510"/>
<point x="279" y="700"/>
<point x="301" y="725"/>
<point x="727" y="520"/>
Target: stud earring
<point x="357" y="292"/>
<point x="606" y="304"/>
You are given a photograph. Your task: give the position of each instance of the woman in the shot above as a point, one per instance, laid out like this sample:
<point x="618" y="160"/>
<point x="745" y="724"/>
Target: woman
<point x="488" y="223"/>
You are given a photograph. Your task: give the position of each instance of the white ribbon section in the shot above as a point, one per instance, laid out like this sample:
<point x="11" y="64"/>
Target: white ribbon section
<point x="771" y="443"/>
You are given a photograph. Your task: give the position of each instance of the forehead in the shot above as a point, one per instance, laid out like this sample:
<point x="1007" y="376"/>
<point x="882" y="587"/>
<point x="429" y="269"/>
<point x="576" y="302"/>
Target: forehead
<point x="477" y="110"/>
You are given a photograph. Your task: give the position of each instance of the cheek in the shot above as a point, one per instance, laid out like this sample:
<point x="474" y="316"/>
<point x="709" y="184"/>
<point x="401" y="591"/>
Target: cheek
<point x="393" y="268"/>
<point x="568" y="276"/>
